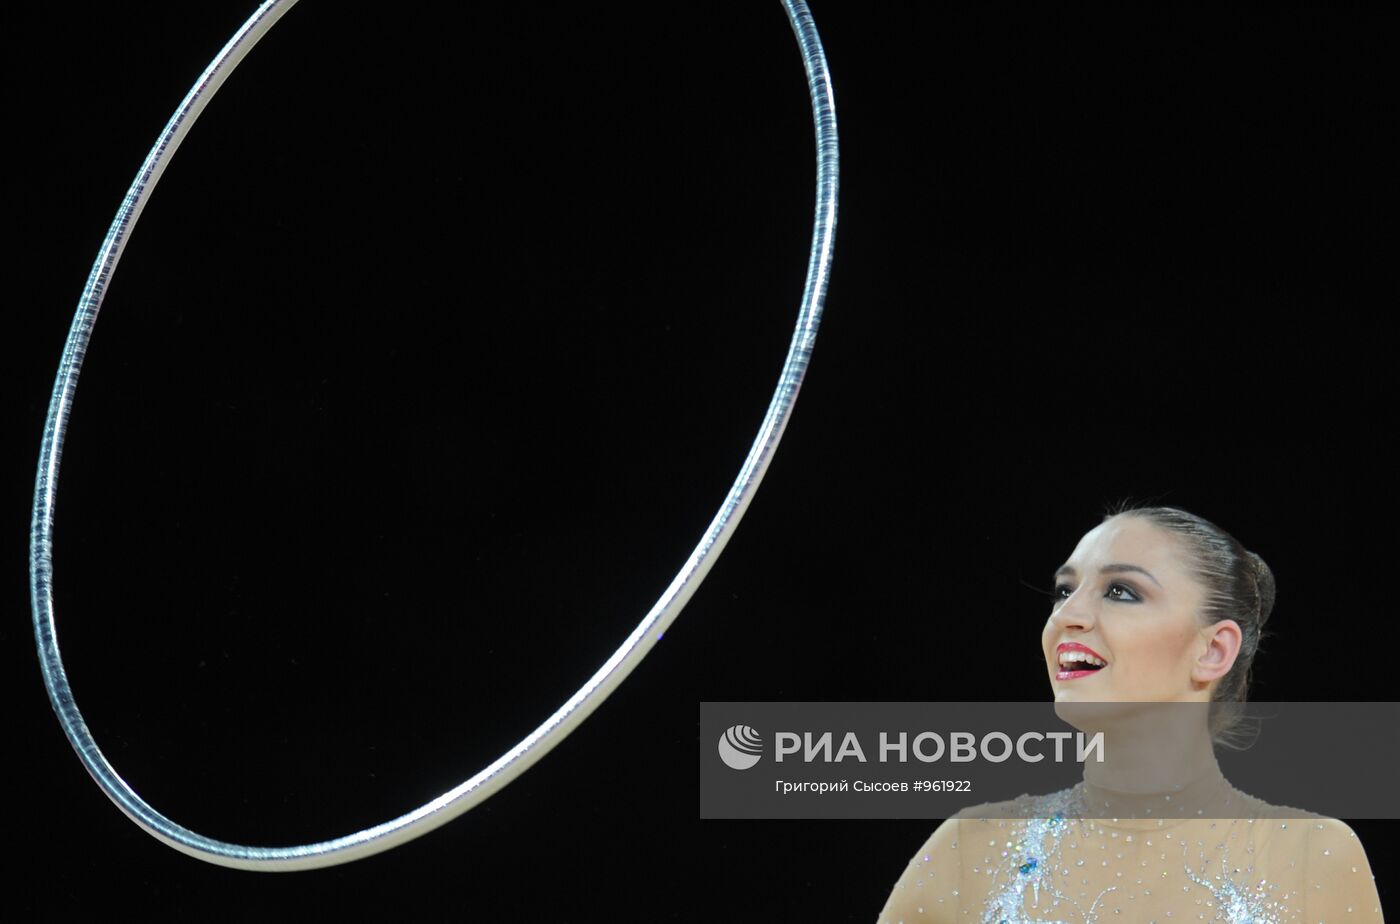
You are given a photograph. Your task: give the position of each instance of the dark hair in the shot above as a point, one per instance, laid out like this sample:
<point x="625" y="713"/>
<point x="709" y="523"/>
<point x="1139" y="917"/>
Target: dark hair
<point x="1239" y="586"/>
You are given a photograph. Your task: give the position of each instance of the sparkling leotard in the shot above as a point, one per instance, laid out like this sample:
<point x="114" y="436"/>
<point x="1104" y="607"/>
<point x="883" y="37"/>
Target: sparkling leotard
<point x="1034" y="860"/>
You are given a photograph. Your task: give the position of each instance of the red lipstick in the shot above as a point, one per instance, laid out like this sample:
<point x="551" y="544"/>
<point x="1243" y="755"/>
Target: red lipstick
<point x="1069" y="672"/>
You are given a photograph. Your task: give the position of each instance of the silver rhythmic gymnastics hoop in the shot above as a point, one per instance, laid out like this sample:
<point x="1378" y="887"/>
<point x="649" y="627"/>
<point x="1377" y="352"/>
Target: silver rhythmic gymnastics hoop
<point x="629" y="654"/>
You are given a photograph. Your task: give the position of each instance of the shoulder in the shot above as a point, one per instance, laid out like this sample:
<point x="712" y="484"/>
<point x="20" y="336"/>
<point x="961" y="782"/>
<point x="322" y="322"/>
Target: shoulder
<point x="1340" y="880"/>
<point x="1332" y="838"/>
<point x="1319" y="859"/>
<point x="928" y="888"/>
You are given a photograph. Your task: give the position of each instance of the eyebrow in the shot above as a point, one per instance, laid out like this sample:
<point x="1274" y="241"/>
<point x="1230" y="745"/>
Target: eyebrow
<point x="1111" y="569"/>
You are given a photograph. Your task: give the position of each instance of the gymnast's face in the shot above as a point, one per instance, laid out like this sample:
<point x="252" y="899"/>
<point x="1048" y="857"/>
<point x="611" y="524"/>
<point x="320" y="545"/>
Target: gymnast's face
<point x="1126" y="600"/>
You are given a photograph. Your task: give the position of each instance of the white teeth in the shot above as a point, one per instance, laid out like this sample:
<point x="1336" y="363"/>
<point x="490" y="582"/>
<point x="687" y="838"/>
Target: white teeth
<point x="1069" y="656"/>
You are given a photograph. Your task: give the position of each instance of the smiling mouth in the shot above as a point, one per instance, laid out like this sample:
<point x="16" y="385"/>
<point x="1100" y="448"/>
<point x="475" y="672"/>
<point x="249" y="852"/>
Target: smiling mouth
<point x="1076" y="664"/>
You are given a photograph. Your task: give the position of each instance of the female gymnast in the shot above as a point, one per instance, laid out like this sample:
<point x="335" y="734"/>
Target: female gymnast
<point x="1157" y="609"/>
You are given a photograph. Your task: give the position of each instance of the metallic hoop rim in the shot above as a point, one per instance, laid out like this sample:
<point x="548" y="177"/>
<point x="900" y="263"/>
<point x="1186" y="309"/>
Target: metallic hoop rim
<point x="629" y="654"/>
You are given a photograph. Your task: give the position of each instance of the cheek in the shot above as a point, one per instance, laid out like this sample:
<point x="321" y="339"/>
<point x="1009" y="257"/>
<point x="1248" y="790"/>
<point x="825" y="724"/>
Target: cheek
<point x="1156" y="650"/>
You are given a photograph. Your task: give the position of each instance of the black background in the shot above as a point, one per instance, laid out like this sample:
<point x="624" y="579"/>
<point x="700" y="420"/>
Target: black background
<point x="443" y="337"/>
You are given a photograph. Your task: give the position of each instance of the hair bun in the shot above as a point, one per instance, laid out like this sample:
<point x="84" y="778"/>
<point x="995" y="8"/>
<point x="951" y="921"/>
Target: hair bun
<point x="1264" y="583"/>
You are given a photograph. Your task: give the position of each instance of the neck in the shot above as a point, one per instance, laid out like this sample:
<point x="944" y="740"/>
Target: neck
<point x="1161" y="768"/>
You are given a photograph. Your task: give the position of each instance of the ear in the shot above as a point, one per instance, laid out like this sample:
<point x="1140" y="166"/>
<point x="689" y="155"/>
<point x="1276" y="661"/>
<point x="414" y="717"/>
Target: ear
<point x="1222" y="646"/>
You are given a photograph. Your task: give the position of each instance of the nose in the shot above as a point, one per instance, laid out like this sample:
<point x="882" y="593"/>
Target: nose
<point x="1076" y="612"/>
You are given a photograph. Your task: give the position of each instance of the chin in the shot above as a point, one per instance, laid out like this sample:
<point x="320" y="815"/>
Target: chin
<point x="1078" y="696"/>
<point x="1076" y="691"/>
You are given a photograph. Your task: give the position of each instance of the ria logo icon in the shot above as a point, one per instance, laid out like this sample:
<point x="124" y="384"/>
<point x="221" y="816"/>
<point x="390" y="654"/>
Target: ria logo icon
<point x="740" y="747"/>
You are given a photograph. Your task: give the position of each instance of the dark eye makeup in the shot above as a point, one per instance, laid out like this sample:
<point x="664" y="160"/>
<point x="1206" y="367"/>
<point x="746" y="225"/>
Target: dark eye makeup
<point x="1132" y="597"/>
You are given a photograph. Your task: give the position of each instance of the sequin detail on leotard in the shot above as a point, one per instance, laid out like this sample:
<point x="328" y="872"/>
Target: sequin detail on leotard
<point x="1036" y="860"/>
<point x="1037" y="849"/>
